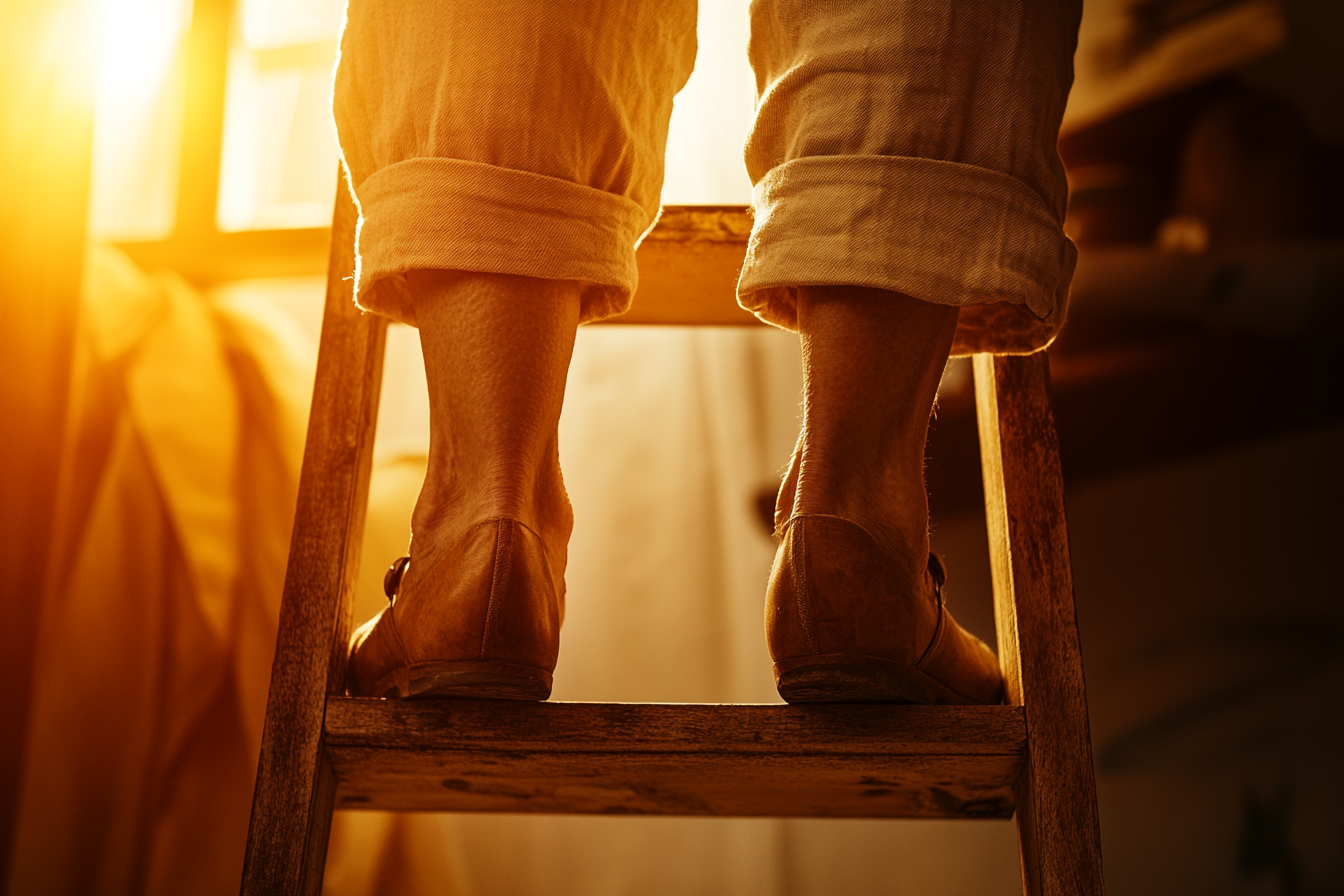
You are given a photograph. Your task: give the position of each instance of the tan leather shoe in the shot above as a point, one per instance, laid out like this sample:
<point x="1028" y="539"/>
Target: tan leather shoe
<point x="847" y="622"/>
<point x="483" y="621"/>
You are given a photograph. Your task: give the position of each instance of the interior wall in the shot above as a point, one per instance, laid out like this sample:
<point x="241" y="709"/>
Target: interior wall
<point x="1309" y="71"/>
<point x="1210" y="614"/>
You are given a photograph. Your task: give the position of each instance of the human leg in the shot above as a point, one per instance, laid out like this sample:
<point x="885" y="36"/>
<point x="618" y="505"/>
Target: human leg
<point x="854" y="609"/>
<point x="906" y="150"/>
<point x="871" y="365"/>
<point x="497" y="350"/>
<point x="505" y="164"/>
<point x="478" y="608"/>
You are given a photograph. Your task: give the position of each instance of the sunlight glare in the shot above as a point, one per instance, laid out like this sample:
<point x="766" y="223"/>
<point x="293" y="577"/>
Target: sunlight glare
<point x="712" y="114"/>
<point x="137" y="118"/>
<point x="138" y="43"/>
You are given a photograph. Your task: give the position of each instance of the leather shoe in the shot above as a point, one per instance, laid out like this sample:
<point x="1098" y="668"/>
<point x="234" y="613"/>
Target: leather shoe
<point x="847" y="622"/>
<point x="483" y="621"/>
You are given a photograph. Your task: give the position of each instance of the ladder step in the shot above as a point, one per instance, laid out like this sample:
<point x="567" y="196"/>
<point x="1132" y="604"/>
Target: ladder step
<point x="839" y="761"/>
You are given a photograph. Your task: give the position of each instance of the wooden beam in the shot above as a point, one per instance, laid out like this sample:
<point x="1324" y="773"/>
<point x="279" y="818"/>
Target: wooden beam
<point x="663" y="759"/>
<point x="292" y="804"/>
<point x="46" y="135"/>
<point x="688" y="264"/>
<point x="688" y="268"/>
<point x="1037" y="625"/>
<point x="213" y="257"/>
<point x="207" y="60"/>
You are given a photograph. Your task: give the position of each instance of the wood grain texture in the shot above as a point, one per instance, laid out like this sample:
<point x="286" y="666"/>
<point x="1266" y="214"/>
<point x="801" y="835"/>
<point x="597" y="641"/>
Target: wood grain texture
<point x="688" y="284"/>
<point x="426" y="724"/>
<point x="688" y="267"/>
<point x="666" y="759"/>
<point x="321" y="749"/>
<point x="1038" y="636"/>
<point x="291" y="809"/>
<point x="996" y="522"/>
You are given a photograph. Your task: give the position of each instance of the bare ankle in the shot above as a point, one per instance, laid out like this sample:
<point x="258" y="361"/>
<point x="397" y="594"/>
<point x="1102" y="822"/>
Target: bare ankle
<point x="871" y="364"/>
<point x="896" y="518"/>
<point x="497" y="350"/>
<point x="449" y="504"/>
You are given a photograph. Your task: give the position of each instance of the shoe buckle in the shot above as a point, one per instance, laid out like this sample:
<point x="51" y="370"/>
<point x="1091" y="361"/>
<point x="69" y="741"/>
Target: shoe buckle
<point x="392" y="579"/>
<point x="937" y="571"/>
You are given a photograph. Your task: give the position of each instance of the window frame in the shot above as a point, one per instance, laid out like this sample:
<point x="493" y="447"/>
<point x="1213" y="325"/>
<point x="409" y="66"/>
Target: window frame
<point x="688" y="264"/>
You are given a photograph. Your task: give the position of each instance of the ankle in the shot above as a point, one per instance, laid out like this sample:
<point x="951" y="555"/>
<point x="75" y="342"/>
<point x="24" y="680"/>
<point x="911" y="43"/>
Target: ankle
<point x="871" y="364"/>
<point x="449" y="504"/>
<point x="897" y="519"/>
<point x="446" y="511"/>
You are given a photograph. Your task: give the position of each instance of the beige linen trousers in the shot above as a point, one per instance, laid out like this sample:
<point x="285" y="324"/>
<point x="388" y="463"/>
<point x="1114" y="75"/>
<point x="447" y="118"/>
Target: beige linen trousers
<point x="903" y="145"/>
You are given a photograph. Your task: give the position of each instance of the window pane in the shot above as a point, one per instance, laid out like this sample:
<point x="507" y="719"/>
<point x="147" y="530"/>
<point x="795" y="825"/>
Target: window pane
<point x="272" y="24"/>
<point x="279" y="158"/>
<point x="137" y="118"/>
<point x="712" y="114"/>
<point x="280" y="154"/>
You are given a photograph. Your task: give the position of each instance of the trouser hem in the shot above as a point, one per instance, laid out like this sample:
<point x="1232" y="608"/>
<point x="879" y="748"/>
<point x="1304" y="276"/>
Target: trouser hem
<point x="450" y="214"/>
<point x="942" y="232"/>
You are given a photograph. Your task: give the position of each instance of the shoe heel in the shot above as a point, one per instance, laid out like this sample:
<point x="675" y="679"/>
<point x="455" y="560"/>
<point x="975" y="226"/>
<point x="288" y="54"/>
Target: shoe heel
<point x="846" y="678"/>
<point x="469" y="679"/>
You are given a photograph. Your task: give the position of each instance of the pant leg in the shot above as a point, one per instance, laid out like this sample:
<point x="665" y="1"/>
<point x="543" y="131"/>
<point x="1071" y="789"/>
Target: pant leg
<point x="910" y="146"/>
<point x="507" y="136"/>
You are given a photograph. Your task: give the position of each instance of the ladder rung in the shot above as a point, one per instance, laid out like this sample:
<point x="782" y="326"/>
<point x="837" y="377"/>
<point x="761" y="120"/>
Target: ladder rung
<point x="675" y="759"/>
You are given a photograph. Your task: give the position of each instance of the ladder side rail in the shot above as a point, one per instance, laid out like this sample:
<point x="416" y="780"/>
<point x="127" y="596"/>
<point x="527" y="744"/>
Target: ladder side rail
<point x="1058" y="828"/>
<point x="296" y="786"/>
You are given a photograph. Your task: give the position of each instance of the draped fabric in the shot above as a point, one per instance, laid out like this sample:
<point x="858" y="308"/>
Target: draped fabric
<point x="156" y="639"/>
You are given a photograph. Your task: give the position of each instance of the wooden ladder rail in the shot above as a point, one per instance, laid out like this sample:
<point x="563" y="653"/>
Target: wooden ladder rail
<point x="296" y="787"/>
<point x="1058" y="830"/>
<point x="1033" y="597"/>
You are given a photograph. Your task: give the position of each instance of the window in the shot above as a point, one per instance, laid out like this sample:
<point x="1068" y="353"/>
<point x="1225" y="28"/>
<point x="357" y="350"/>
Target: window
<point x="216" y="154"/>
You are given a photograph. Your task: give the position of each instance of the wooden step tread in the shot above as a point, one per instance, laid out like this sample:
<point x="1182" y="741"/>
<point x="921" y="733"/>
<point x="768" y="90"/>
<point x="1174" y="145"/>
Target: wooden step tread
<point x="675" y="759"/>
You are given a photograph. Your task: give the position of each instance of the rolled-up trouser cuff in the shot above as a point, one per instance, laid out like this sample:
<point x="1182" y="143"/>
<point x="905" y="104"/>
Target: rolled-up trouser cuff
<point x="942" y="232"/>
<point x="448" y="214"/>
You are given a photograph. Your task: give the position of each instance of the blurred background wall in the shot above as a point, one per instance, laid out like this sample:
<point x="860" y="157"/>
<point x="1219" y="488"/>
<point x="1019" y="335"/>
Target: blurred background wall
<point x="1197" y="399"/>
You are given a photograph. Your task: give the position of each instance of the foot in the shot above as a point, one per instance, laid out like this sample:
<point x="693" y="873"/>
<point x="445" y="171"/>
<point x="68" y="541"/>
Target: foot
<point x="477" y="612"/>
<point x="854" y="606"/>
<point x="848" y="622"/>
<point x="483" y="621"/>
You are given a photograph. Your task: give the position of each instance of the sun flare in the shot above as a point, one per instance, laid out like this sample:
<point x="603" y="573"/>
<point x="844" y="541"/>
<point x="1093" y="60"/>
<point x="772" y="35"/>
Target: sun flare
<point x="138" y="42"/>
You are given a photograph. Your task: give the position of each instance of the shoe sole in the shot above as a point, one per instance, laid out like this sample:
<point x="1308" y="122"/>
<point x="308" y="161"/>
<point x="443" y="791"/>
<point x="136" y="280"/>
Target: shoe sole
<point x="854" y="678"/>
<point x="468" y="679"/>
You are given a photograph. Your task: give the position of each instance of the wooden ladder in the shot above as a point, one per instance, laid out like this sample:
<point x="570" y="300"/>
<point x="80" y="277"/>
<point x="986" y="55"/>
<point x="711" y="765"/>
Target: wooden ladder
<point x="322" y="750"/>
